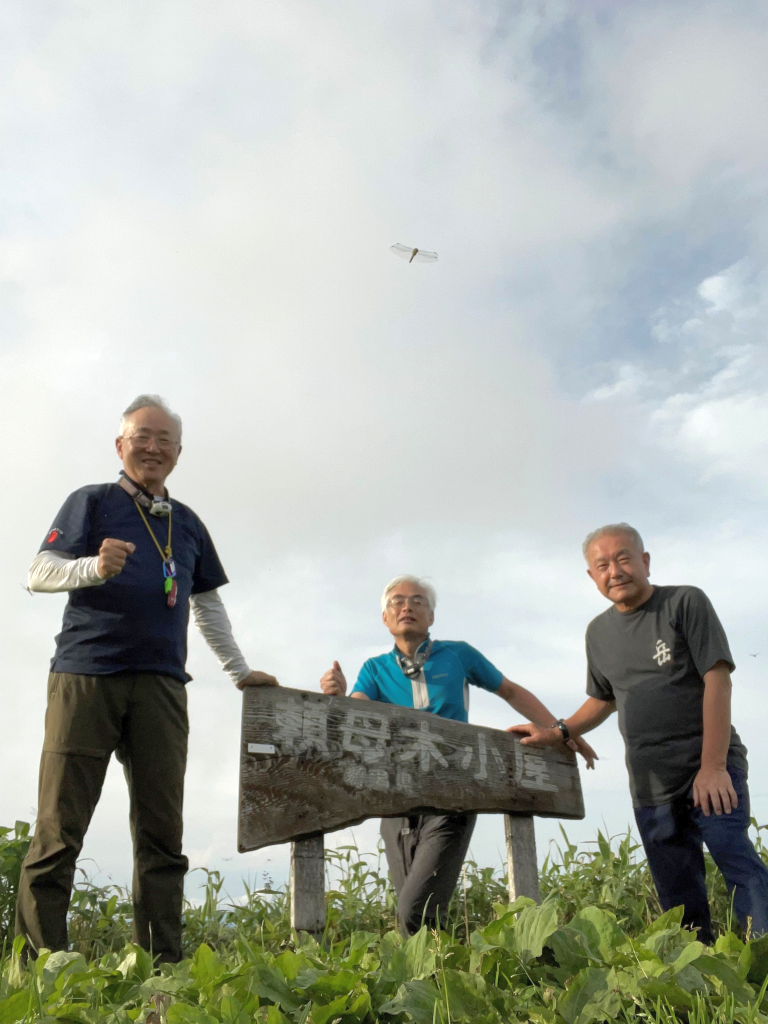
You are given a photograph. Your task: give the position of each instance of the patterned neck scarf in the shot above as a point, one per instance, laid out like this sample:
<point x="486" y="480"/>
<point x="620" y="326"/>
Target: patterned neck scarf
<point x="412" y="666"/>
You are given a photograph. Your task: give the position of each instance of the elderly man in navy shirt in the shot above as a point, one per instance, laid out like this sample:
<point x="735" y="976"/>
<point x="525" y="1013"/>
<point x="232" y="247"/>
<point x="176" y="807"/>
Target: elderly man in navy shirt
<point x="425" y="852"/>
<point x="134" y="561"/>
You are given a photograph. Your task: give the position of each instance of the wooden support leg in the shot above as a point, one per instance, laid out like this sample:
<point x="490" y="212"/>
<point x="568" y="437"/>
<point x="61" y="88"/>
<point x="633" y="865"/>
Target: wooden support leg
<point x="522" y="869"/>
<point x="308" y="886"/>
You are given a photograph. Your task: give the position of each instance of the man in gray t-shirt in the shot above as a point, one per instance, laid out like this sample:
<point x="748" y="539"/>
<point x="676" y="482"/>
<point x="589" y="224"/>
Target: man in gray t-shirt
<point x="659" y="656"/>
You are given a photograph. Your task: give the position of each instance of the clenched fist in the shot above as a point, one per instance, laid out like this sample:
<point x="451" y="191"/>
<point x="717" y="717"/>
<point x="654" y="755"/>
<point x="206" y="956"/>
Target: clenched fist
<point x="333" y="683"/>
<point x="112" y="557"/>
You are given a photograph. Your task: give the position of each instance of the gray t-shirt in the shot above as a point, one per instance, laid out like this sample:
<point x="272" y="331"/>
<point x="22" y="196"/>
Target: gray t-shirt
<point x="651" y="662"/>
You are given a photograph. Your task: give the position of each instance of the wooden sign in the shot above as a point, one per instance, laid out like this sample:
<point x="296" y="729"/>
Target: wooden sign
<point x="311" y="764"/>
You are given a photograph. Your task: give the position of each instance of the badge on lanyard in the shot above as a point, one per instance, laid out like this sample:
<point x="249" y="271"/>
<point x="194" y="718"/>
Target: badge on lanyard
<point x="169" y="566"/>
<point x="169" y="572"/>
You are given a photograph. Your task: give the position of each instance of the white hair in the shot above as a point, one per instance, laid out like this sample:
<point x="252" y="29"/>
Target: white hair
<point x="148" y="402"/>
<point x="428" y="589"/>
<point x="611" y="529"/>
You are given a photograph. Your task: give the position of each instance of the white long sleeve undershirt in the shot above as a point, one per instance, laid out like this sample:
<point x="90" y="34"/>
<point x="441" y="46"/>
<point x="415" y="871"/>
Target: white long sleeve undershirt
<point x="53" y="572"/>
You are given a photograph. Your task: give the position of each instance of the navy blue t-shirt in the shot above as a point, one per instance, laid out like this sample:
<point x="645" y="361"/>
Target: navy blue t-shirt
<point x="125" y="624"/>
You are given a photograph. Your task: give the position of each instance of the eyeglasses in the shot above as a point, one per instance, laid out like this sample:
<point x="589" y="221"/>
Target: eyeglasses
<point x="398" y="601"/>
<point x="142" y="438"/>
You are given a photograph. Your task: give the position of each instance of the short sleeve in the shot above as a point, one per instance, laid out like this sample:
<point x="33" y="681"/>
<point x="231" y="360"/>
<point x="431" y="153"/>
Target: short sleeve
<point x="209" y="572"/>
<point x="478" y="670"/>
<point x="69" y="530"/>
<point x="366" y="683"/>
<point x="703" y="632"/>
<point x="598" y="685"/>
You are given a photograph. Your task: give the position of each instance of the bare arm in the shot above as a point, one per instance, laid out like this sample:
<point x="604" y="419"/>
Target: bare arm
<point x="530" y="707"/>
<point x="524" y="703"/>
<point x="712" y="787"/>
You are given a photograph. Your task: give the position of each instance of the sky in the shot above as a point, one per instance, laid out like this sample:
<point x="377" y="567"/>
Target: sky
<point x="198" y="200"/>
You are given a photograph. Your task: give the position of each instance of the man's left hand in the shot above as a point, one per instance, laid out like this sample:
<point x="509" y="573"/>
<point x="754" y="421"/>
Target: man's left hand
<point x="580" y="746"/>
<point x="713" y="786"/>
<point x="257" y="679"/>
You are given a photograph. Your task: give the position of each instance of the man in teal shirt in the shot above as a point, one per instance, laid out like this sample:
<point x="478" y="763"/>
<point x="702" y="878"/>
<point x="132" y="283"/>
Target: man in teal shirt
<point x="425" y="852"/>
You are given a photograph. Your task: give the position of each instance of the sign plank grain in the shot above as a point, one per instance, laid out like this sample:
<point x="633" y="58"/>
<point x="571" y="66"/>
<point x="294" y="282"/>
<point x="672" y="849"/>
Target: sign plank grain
<point x="311" y="764"/>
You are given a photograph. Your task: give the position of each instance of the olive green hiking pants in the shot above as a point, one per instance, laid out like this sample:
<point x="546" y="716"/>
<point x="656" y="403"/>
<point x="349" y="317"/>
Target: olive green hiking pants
<point x="143" y="718"/>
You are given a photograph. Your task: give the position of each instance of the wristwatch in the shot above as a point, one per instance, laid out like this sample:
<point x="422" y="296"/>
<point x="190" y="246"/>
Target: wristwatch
<point x="560" y="724"/>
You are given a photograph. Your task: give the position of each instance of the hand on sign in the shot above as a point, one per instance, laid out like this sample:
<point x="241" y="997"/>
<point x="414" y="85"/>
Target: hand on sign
<point x="536" y="735"/>
<point x="333" y="683"/>
<point x="257" y="679"/>
<point x="112" y="557"/>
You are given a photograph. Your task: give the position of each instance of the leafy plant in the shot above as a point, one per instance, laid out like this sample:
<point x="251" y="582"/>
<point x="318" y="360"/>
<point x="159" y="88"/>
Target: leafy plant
<point x="596" y="949"/>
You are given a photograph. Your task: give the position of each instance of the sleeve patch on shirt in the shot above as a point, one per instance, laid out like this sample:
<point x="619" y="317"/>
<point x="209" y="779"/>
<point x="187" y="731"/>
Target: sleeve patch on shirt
<point x="55" y="532"/>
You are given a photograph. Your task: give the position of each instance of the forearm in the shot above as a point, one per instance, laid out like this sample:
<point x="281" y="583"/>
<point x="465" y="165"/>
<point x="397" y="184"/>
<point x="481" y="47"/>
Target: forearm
<point x="593" y="712"/>
<point x="716" y="718"/>
<point x="212" y="620"/>
<point x="52" y="572"/>
<point x="526" y="704"/>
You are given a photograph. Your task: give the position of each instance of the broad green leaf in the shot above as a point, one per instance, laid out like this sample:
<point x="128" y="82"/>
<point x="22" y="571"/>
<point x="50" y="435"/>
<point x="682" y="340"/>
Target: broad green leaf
<point x="420" y="954"/>
<point x="571" y="949"/>
<point x="352" y="1008"/>
<point x="207" y="967"/>
<point x="271" y="1015"/>
<point x="689" y="953"/>
<point x="511" y="910"/>
<point x="15" y="1007"/>
<point x="136" y="964"/>
<point x="307" y="976"/>
<point x="533" y="928"/>
<point x="417" y="998"/>
<point x="61" y="961"/>
<point x="657" y="988"/>
<point x="332" y="985"/>
<point x="359" y="944"/>
<point x="601" y="931"/>
<point x="289" y="963"/>
<point x="668" y="920"/>
<point x="757" y="961"/>
<point x="183" y="1013"/>
<point x="268" y="983"/>
<point x="231" y="1010"/>
<point x="729" y="944"/>
<point x="589" y="988"/>
<point x="717" y="968"/>
<point x="466" y="995"/>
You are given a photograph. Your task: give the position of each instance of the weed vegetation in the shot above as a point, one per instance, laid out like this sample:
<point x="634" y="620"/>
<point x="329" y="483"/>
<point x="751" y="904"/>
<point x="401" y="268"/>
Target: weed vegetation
<point x="596" y="949"/>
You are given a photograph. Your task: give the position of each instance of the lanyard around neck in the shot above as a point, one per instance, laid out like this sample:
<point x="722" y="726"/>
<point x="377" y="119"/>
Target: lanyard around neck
<point x="168" y="553"/>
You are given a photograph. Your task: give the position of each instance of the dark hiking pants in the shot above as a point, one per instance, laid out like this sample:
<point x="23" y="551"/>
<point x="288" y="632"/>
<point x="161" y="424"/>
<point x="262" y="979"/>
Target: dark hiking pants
<point x="425" y="854"/>
<point x="673" y="835"/>
<point x="143" y="718"/>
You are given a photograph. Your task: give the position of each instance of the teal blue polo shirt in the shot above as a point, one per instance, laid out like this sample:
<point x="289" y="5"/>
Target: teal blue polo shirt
<point x="442" y="686"/>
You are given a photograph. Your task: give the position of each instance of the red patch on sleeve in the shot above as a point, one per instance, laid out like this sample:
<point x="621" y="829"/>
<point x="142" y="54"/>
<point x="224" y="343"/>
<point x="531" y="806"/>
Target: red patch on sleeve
<point x="52" y="536"/>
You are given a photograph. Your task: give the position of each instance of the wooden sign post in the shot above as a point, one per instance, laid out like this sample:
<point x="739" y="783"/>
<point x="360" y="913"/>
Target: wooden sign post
<point x="311" y="764"/>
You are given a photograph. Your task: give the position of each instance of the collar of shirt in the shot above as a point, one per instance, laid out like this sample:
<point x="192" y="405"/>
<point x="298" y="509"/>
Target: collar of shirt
<point x="412" y="667"/>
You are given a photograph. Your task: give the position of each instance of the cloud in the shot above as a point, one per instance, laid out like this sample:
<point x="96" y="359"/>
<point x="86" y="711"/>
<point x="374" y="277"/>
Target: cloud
<point x="200" y="201"/>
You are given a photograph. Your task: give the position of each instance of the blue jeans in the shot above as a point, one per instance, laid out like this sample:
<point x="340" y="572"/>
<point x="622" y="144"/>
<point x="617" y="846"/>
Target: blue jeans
<point x="673" y="835"/>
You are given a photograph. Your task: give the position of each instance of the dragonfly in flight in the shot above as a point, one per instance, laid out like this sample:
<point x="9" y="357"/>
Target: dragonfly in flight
<point x="405" y="252"/>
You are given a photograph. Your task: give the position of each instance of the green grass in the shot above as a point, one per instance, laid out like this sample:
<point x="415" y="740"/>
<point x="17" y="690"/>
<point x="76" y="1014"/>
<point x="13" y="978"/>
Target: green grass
<point x="597" y="949"/>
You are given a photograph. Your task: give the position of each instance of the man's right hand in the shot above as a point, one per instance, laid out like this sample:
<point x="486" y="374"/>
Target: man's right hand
<point x="333" y="683"/>
<point x="536" y="735"/>
<point x="112" y="557"/>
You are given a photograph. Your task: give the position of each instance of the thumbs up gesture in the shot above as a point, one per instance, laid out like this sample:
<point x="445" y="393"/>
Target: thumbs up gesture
<point x="333" y="683"/>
